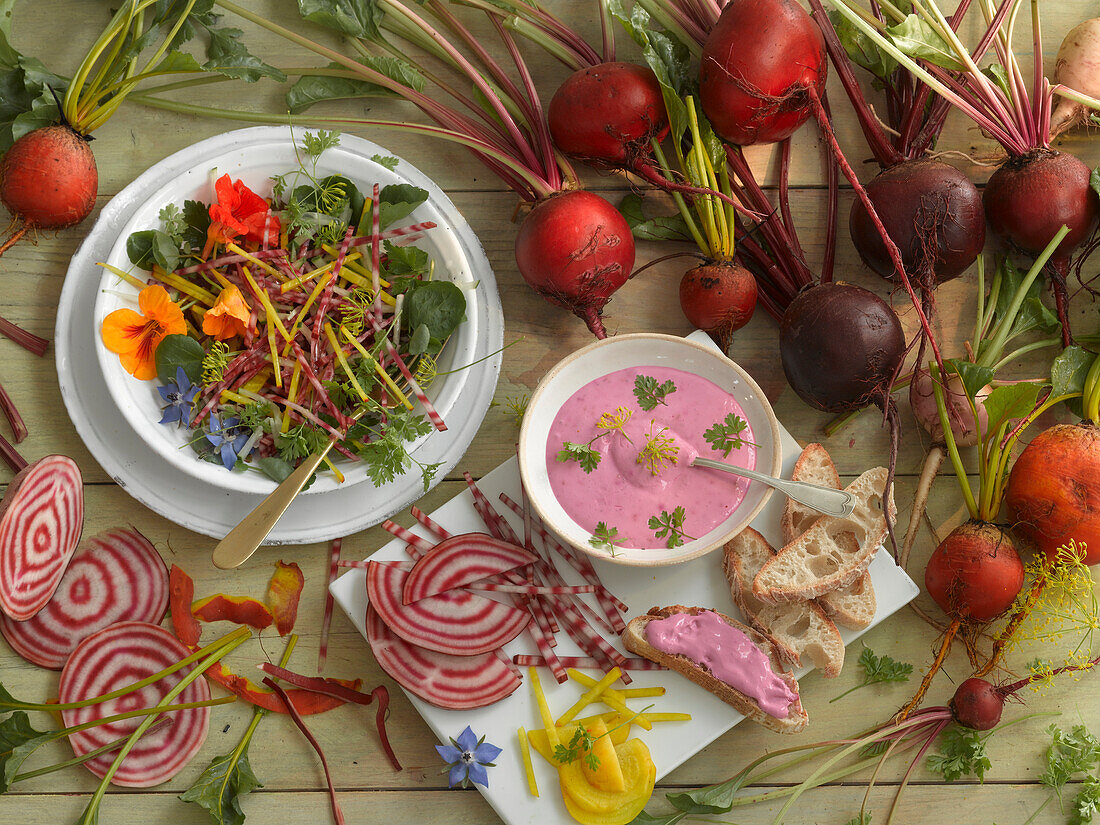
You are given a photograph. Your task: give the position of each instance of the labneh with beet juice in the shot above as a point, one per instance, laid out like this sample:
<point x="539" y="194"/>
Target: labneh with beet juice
<point x="619" y="452"/>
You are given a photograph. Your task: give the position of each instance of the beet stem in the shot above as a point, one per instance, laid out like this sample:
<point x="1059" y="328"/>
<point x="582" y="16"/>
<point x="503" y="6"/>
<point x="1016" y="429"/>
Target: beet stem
<point x="27" y="340"/>
<point x="937" y="663"/>
<point x="11" y="455"/>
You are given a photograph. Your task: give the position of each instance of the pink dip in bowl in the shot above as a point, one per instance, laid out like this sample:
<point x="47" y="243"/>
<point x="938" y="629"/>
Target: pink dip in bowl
<point x="623" y="493"/>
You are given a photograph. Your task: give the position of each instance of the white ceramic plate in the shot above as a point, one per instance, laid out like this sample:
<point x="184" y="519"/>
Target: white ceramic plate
<point x="643" y="350"/>
<point x="698" y="582"/>
<point x="183" y="498"/>
<point x="255" y="163"/>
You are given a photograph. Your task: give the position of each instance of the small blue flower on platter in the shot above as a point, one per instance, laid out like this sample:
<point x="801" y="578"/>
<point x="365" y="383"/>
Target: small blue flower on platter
<point x="468" y="758"/>
<point x="228" y="439"/>
<point x="179" y="395"/>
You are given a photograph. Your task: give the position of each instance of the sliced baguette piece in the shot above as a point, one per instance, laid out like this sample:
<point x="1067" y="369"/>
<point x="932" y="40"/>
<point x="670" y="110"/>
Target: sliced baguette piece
<point x="853" y="606"/>
<point x="817" y="562"/>
<point x="798" y="628"/>
<point x="634" y="639"/>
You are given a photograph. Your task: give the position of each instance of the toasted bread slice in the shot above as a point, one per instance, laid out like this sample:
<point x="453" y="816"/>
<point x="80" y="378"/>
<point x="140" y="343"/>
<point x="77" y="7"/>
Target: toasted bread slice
<point x="816" y="562"/>
<point x="798" y="628"/>
<point x="853" y="606"/>
<point x="634" y="639"/>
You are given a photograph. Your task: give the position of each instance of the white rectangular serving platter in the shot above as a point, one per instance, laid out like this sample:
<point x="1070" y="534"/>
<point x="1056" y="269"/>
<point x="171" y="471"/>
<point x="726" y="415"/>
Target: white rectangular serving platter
<point x="696" y="583"/>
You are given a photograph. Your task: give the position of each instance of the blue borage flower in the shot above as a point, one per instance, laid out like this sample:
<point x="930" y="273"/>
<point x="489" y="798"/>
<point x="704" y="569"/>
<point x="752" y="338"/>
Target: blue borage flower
<point x="228" y="439"/>
<point x="179" y="395"/>
<point x="468" y="758"/>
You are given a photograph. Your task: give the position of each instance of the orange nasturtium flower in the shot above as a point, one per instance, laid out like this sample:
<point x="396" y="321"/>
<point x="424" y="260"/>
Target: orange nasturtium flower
<point x="229" y="316"/>
<point x="134" y="337"/>
<point x="239" y="212"/>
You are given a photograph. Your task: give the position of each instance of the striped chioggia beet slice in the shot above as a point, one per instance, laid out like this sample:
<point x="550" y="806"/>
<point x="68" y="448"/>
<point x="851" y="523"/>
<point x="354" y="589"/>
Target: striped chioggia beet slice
<point x="41" y="517"/>
<point x="118" y="656"/>
<point x="460" y="560"/>
<point x="458" y="622"/>
<point x="453" y="682"/>
<point x="116" y="576"/>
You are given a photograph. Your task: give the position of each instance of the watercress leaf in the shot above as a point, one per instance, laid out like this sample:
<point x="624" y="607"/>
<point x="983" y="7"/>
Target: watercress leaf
<point x="714" y="799"/>
<point x="227" y="55"/>
<point x="661" y="228"/>
<point x="916" y="38"/>
<point x="274" y="468"/>
<point x="438" y="305"/>
<point x="176" y="351"/>
<point x="973" y="377"/>
<point x="1009" y="402"/>
<point x="419" y="340"/>
<point x="861" y="49"/>
<point x="152" y="246"/>
<point x="359" y="18"/>
<point x="311" y="89"/>
<point x="18" y="740"/>
<point x="404" y="260"/>
<point x="1068" y="372"/>
<point x="196" y="215"/>
<point x="399" y="200"/>
<point x="220" y="787"/>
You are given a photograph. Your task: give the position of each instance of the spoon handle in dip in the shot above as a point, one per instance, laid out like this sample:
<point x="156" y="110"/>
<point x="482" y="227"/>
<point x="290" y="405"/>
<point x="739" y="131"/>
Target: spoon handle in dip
<point x="825" y="500"/>
<point x="243" y="540"/>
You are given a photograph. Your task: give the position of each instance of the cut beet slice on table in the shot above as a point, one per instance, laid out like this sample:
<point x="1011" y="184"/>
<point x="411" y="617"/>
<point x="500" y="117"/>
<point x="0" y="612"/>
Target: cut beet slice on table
<point x="452" y="682"/>
<point x="41" y="517"/>
<point x="117" y="576"/>
<point x="116" y="657"/>
<point x="457" y="622"/>
<point x="460" y="560"/>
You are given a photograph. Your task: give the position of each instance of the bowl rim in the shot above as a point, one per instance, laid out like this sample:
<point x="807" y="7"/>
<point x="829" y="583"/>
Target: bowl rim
<point x="703" y="548"/>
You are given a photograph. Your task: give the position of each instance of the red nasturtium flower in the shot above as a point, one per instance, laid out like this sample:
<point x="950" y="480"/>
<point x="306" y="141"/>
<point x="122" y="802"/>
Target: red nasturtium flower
<point x="134" y="337"/>
<point x="239" y="212"/>
<point x="229" y="316"/>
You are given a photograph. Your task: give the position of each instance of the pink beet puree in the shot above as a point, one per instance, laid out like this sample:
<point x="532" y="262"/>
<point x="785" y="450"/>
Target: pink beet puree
<point x="727" y="653"/>
<point x="623" y="493"/>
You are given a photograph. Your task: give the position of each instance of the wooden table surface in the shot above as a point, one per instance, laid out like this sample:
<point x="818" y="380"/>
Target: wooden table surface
<point x="59" y="31"/>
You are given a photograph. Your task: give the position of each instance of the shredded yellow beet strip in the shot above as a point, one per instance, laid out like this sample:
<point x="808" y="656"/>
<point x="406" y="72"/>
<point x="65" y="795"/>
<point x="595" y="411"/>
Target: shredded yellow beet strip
<point x="266" y="267"/>
<point x="359" y="269"/>
<point x="343" y="361"/>
<point x="221" y="279"/>
<point x="292" y="393"/>
<point x="272" y="315"/>
<point x="273" y="345"/>
<point x="622" y="694"/>
<point x="236" y="398"/>
<point x="528" y="768"/>
<point x="180" y="285"/>
<point x="257" y="381"/>
<point x="339" y="476"/>
<point x="544" y="709"/>
<point x="313" y="273"/>
<point x="133" y="281"/>
<point x="590" y="696"/>
<point x="305" y="308"/>
<point x="378" y="369"/>
<point x="664" y="717"/>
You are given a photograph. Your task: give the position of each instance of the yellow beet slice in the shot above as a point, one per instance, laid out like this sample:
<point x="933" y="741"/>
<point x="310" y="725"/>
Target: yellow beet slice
<point x="619" y="734"/>
<point x="608" y="773"/>
<point x="639" y="775"/>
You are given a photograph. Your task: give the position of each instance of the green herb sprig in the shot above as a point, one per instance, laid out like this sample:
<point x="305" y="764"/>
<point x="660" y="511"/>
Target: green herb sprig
<point x="670" y="525"/>
<point x="725" y="436"/>
<point x="649" y="393"/>
<point x="962" y="753"/>
<point x="605" y="538"/>
<point x="877" y="670"/>
<point x="580" y="746"/>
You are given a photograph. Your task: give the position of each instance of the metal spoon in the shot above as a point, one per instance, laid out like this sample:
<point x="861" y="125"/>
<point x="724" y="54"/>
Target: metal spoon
<point x="244" y="539"/>
<point x="825" y="500"/>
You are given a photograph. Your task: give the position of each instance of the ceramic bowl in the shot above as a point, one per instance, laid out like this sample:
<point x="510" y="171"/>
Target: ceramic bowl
<point x="641" y="351"/>
<point x="254" y="160"/>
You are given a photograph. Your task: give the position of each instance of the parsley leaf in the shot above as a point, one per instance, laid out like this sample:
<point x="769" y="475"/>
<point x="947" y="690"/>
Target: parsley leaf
<point x="583" y="454"/>
<point x="649" y="393"/>
<point x="388" y="161"/>
<point x="962" y="753"/>
<point x="670" y="525"/>
<point x="315" y="144"/>
<point x="1071" y="752"/>
<point x="878" y="669"/>
<point x="580" y="745"/>
<point x="725" y="436"/>
<point x="1087" y="801"/>
<point x="605" y="538"/>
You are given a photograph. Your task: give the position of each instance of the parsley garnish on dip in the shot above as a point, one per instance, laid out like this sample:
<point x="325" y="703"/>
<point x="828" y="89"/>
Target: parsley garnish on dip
<point x="640" y="467"/>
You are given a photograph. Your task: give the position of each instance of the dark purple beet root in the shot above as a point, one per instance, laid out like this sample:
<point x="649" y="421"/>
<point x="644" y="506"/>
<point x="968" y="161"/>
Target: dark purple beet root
<point x="977" y="704"/>
<point x="934" y="214"/>
<point x="719" y="298"/>
<point x="841" y="345"/>
<point x="1029" y="198"/>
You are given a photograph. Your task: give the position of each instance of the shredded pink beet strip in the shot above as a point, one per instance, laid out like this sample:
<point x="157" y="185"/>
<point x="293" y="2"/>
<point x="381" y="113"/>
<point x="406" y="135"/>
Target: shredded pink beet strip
<point x="428" y="523"/>
<point x="326" y="620"/>
<point x="421" y="544"/>
<point x="585" y="663"/>
<point x="429" y="410"/>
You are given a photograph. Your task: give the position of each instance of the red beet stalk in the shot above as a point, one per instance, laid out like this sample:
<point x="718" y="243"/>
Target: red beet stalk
<point x="326" y="620"/>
